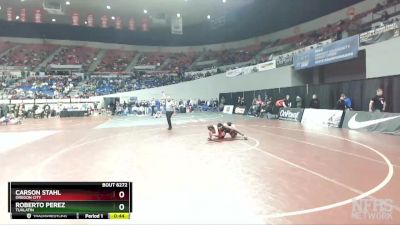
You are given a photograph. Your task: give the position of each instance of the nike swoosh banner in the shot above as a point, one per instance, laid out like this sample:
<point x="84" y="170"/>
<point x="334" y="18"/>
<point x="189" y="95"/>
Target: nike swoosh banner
<point x="372" y="122"/>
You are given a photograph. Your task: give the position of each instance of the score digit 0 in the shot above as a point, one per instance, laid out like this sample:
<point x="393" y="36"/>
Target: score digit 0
<point x="121" y="194"/>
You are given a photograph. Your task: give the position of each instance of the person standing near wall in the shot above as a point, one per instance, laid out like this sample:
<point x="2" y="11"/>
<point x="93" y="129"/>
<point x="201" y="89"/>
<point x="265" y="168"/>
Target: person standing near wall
<point x="377" y="103"/>
<point x="170" y="110"/>
<point x="153" y="106"/>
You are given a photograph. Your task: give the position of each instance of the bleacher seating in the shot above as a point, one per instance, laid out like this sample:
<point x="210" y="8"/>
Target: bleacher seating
<point x="75" y="56"/>
<point x="154" y="59"/>
<point x="44" y="87"/>
<point x="115" y="61"/>
<point x="181" y="61"/>
<point x="28" y="55"/>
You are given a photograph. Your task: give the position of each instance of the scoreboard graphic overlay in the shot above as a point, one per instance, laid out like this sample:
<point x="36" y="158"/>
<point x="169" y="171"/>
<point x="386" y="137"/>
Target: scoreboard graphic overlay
<point x="70" y="200"/>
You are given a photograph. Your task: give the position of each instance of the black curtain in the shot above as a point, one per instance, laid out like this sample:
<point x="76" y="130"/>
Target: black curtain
<point x="274" y="93"/>
<point x="235" y="96"/>
<point x="360" y="92"/>
<point x="228" y="98"/>
<point x="248" y="97"/>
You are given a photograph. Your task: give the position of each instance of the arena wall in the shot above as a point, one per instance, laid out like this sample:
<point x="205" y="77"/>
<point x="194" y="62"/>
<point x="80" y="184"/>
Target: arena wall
<point x="383" y="58"/>
<point x="210" y="87"/>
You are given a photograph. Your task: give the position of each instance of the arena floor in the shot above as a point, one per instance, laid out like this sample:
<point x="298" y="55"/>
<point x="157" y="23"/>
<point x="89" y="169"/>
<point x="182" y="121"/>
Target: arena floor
<point x="284" y="173"/>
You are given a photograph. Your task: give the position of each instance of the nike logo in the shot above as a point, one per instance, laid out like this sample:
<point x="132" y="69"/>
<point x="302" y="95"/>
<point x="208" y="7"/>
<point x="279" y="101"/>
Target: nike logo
<point x="353" y="124"/>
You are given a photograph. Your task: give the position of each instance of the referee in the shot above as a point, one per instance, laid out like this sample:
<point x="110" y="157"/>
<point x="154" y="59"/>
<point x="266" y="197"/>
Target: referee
<point x="170" y="110"/>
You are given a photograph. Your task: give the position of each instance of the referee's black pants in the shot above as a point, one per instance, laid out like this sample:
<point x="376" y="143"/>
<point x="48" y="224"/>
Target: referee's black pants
<point x="169" y="115"/>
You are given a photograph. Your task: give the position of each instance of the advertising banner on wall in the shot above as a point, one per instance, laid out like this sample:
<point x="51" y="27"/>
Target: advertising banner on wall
<point x="341" y="50"/>
<point x="372" y="122"/>
<point x="287" y="58"/>
<point x="240" y="110"/>
<point x="228" y="109"/>
<point x="291" y="114"/>
<point x="322" y="117"/>
<point x="267" y="65"/>
<point x="380" y="34"/>
<point x="241" y="71"/>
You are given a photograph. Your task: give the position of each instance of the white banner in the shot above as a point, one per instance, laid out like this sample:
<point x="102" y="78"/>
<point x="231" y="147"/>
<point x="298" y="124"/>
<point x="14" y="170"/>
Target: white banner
<point x="191" y="73"/>
<point x="145" y="67"/>
<point x="241" y="71"/>
<point x="322" y="117"/>
<point x="228" y="109"/>
<point x="176" y="26"/>
<point x="267" y="65"/>
<point x="66" y="67"/>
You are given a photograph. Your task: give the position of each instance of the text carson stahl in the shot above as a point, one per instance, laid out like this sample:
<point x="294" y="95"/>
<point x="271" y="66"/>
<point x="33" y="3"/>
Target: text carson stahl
<point x="287" y="114"/>
<point x="37" y="192"/>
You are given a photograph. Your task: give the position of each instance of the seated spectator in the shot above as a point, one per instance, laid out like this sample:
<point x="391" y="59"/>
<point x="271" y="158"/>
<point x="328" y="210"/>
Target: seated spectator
<point x="314" y="103"/>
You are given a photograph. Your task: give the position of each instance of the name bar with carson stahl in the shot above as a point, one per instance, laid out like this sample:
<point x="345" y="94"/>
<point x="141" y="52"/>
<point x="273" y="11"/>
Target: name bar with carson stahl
<point x="70" y="200"/>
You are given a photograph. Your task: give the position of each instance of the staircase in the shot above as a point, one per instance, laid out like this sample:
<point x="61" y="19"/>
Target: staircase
<point x="165" y="63"/>
<point x="198" y="59"/>
<point x="99" y="58"/>
<point x="8" y="50"/>
<point x="134" y="62"/>
<point x="48" y="59"/>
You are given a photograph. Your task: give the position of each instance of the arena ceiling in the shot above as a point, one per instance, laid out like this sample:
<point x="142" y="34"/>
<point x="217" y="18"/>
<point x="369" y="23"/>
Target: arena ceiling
<point x="161" y="11"/>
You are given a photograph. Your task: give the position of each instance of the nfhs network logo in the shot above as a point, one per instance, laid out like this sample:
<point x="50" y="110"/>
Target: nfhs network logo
<point x="372" y="209"/>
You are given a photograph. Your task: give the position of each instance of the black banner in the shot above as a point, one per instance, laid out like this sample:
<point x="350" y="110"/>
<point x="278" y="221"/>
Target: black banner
<point x="291" y="114"/>
<point x="380" y="34"/>
<point x="372" y="122"/>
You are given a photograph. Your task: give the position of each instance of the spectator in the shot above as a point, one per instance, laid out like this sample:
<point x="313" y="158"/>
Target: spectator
<point x="344" y="103"/>
<point x="299" y="102"/>
<point x="314" y="103"/>
<point x="377" y="103"/>
<point x="286" y="102"/>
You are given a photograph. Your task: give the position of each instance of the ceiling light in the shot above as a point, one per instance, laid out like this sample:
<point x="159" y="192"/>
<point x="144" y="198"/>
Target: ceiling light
<point x="223" y="1"/>
<point x="108" y="7"/>
<point x="68" y="3"/>
<point x="208" y="17"/>
<point x="113" y="17"/>
<point x="17" y="17"/>
<point x="145" y="11"/>
<point x="53" y="20"/>
<point x="85" y="22"/>
<point x="22" y="0"/>
<point x="178" y="15"/>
